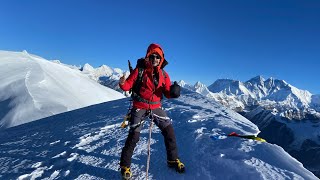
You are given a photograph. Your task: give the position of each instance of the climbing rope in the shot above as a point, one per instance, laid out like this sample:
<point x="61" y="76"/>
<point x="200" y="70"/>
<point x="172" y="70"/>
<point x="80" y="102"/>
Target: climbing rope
<point x="149" y="144"/>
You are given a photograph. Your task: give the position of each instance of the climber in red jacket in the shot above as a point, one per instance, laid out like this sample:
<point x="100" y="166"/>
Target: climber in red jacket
<point x="149" y="82"/>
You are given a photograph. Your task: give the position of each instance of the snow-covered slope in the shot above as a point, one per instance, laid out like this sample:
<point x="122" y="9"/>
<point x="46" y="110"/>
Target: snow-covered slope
<point x="33" y="88"/>
<point x="286" y="115"/>
<point x="86" y="144"/>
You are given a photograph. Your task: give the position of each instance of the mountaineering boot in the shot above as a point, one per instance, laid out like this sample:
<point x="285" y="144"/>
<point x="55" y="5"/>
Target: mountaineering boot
<point x="126" y="173"/>
<point x="177" y="164"/>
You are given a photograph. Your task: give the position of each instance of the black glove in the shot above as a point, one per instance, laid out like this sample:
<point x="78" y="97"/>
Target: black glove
<point x="174" y="90"/>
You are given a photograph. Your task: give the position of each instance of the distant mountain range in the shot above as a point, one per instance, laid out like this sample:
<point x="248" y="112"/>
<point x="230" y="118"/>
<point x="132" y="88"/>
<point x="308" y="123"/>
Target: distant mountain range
<point x="105" y="75"/>
<point x="273" y="94"/>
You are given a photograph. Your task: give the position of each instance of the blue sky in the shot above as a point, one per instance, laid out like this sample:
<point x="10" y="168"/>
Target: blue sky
<point x="203" y="40"/>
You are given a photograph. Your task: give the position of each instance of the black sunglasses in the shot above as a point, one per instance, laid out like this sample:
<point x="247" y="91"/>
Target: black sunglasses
<point x="154" y="56"/>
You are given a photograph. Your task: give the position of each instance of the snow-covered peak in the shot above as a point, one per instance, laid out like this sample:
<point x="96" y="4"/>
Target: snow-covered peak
<point x="201" y="88"/>
<point x="117" y="70"/>
<point x="258" y="81"/>
<point x="280" y="90"/>
<point x="67" y="65"/>
<point x="25" y="52"/>
<point x="56" y="61"/>
<point x="104" y="74"/>
<point x="87" y="68"/>
<point x="32" y="88"/>
<point x="198" y="84"/>
<point x="259" y="89"/>
<point x="220" y="85"/>
<point x="229" y="87"/>
<point x="275" y="84"/>
<point x="185" y="85"/>
<point x="303" y="95"/>
<point x="104" y="70"/>
<point x="182" y="83"/>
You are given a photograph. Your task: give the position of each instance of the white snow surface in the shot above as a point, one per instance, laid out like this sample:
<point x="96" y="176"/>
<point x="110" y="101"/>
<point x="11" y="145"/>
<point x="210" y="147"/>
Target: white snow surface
<point x="86" y="144"/>
<point x="32" y="88"/>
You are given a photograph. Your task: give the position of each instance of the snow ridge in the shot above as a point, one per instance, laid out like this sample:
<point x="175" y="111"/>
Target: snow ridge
<point x="32" y="88"/>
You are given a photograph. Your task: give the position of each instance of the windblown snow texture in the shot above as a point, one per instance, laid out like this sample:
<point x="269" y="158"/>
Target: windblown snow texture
<point x="32" y="88"/>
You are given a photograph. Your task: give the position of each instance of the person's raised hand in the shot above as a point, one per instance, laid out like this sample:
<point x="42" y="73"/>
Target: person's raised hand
<point x="122" y="80"/>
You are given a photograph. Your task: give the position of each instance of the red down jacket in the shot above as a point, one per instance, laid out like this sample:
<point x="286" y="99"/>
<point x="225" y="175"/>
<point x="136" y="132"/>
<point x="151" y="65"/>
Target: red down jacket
<point x="148" y="91"/>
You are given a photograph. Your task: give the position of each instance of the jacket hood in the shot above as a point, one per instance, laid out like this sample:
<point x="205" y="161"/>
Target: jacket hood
<point x="156" y="49"/>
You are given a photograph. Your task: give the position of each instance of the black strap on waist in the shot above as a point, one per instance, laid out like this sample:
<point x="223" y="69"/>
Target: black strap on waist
<point x="140" y="99"/>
